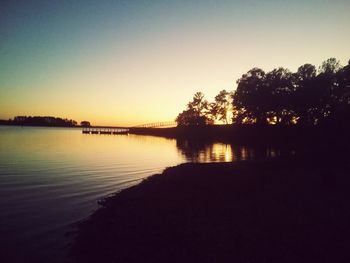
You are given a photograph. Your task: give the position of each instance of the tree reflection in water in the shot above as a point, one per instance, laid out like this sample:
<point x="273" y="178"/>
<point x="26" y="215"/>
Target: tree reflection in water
<point x="206" y="151"/>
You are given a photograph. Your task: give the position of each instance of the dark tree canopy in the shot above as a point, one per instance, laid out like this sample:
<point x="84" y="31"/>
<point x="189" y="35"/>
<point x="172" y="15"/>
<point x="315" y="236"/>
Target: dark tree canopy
<point x="304" y="97"/>
<point x="280" y="97"/>
<point x="331" y="65"/>
<point x="221" y="108"/>
<point x="196" y="112"/>
<point x="85" y="123"/>
<point x="42" y="121"/>
<point x="248" y="97"/>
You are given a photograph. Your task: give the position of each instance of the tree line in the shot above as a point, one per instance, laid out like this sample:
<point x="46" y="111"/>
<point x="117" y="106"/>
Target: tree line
<point x="42" y="121"/>
<point x="309" y="96"/>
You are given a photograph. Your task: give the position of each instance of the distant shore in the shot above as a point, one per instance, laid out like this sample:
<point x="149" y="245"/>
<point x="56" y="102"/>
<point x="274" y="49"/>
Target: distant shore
<point x="277" y="210"/>
<point x="40" y="125"/>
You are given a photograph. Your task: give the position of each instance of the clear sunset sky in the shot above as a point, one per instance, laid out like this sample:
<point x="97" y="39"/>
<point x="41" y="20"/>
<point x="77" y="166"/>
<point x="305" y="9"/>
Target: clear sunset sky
<point x="134" y="62"/>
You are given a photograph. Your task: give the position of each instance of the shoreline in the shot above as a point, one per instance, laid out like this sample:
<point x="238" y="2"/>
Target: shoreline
<point x="252" y="134"/>
<point x="301" y="139"/>
<point x="277" y="210"/>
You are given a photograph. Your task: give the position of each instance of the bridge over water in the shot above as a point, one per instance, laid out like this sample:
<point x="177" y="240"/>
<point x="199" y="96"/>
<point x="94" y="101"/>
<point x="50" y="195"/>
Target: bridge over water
<point x="125" y="130"/>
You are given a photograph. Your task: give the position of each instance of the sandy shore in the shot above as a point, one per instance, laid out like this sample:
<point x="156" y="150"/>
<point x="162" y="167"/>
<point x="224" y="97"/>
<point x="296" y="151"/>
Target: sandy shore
<point x="261" y="211"/>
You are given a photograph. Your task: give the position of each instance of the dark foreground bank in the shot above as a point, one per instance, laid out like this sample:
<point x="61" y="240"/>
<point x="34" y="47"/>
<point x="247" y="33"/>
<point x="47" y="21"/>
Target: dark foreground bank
<point x="262" y="211"/>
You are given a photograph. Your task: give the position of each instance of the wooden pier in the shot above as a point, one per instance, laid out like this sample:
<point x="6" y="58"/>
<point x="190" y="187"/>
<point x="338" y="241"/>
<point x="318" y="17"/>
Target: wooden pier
<point x="139" y="129"/>
<point x="105" y="130"/>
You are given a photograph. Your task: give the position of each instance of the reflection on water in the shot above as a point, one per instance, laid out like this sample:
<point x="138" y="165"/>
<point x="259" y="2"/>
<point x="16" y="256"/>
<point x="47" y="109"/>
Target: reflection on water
<point x="53" y="177"/>
<point x="199" y="151"/>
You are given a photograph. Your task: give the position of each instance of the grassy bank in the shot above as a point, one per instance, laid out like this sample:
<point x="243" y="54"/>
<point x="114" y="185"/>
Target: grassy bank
<point x="262" y="211"/>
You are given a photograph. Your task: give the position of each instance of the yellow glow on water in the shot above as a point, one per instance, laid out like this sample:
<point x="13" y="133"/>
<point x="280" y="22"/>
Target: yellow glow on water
<point x="222" y="152"/>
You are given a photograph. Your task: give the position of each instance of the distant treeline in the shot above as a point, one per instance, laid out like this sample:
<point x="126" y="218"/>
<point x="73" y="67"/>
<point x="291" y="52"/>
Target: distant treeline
<point x="41" y="121"/>
<point x="280" y="97"/>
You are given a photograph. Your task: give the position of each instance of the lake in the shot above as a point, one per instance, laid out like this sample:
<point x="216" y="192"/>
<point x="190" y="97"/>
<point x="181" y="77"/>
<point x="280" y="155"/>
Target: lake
<point x="50" y="178"/>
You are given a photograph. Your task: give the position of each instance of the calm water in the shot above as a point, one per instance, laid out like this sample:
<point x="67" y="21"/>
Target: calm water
<point x="52" y="177"/>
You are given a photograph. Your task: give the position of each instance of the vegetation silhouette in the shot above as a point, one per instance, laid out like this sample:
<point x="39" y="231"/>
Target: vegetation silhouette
<point x="308" y="97"/>
<point x="197" y="112"/>
<point x="41" y="121"/>
<point x="85" y="124"/>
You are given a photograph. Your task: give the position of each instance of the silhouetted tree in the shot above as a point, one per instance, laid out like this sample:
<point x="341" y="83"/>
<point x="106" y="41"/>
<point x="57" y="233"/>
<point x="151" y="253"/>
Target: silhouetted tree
<point x="344" y="85"/>
<point x="85" y="123"/>
<point x="213" y="111"/>
<point x="306" y="97"/>
<point x="222" y="106"/>
<point x="198" y="104"/>
<point x="327" y="89"/>
<point x="250" y="97"/>
<point x="330" y="66"/>
<point x="338" y="80"/>
<point x="305" y="94"/>
<point x="196" y="112"/>
<point x="43" y="121"/>
<point x="279" y="98"/>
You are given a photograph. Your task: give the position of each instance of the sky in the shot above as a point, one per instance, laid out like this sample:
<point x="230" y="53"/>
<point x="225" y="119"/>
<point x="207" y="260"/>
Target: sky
<point x="136" y="62"/>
